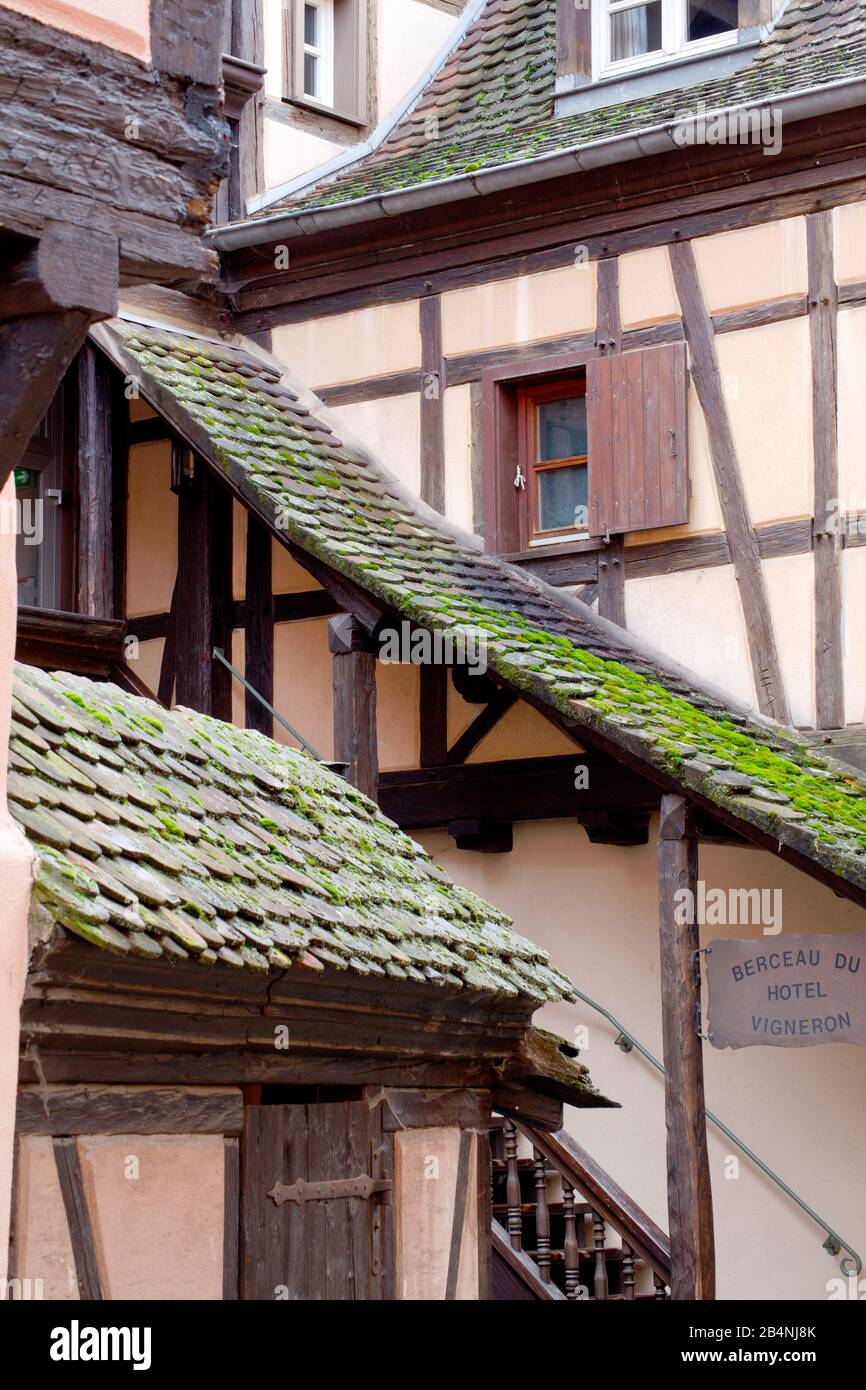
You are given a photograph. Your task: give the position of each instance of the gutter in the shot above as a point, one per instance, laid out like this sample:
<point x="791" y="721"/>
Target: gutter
<point x="660" y="139"/>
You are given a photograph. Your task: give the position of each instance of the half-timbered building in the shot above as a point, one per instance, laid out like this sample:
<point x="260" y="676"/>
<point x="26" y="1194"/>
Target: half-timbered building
<point x="498" y="447"/>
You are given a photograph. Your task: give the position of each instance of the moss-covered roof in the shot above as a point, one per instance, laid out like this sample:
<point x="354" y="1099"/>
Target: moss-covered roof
<point x="334" y="504"/>
<point x="492" y="101"/>
<point x="170" y="835"/>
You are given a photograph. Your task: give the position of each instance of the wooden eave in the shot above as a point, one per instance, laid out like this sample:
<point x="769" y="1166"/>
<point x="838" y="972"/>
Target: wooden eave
<point x="89" y="1016"/>
<point x="691" y="192"/>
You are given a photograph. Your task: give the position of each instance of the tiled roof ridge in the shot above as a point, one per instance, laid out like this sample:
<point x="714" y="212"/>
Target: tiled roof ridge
<point x="171" y="836"/>
<point x="296" y="474"/>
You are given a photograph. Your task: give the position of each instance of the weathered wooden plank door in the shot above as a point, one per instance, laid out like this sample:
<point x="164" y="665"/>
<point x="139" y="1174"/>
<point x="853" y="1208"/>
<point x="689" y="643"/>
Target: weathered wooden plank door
<point x="300" y="1241"/>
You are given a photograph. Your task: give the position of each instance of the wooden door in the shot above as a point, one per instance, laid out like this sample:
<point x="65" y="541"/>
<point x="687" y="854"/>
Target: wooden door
<point x="310" y="1229"/>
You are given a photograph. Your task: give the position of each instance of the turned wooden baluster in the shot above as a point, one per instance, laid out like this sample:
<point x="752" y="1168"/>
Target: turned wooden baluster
<point x="570" y="1244"/>
<point x="512" y="1186"/>
<point x="627" y="1271"/>
<point x="661" y="1287"/>
<point x="542" y="1218"/>
<point x="600" y="1281"/>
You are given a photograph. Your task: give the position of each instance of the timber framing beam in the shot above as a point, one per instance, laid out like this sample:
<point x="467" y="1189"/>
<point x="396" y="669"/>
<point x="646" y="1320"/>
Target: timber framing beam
<point x="829" y="665"/>
<point x="259" y="626"/>
<point x="202" y="598"/>
<point x="608" y="340"/>
<point x="690" y="1205"/>
<point x="432" y="404"/>
<point x="355" y="735"/>
<point x="761" y="637"/>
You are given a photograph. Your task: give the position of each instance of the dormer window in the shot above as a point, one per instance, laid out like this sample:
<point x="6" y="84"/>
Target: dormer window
<point x="326" y="59"/>
<point x="633" y="34"/>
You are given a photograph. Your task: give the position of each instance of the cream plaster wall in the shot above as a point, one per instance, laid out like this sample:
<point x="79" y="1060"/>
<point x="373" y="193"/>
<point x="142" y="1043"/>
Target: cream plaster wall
<point x="790" y="581"/>
<point x="753" y="265"/>
<point x="519" y="310"/>
<point x="853" y="592"/>
<point x="391" y="430"/>
<point x="849" y="242"/>
<point x="409" y="37"/>
<point x="119" y="24"/>
<point x="458" y="456"/>
<point x="696" y="618"/>
<point x="157" y="1207"/>
<point x="290" y="150"/>
<point x="151" y="547"/>
<point x="767" y="378"/>
<point x="647" y="293"/>
<point x="148" y="662"/>
<point x="594" y="908"/>
<point x="43" y="1249"/>
<point x="354" y="346"/>
<point x="425" y="1174"/>
<point x="398" y="695"/>
<point x="15" y="878"/>
<point x="851" y="359"/>
<point x="302" y="683"/>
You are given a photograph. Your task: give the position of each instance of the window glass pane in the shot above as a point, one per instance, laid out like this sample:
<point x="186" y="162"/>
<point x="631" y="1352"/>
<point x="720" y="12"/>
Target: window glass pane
<point x="562" y="429"/>
<point x="311" y="75"/>
<point x="27" y="554"/>
<point x="636" y="31"/>
<point x="708" y="17"/>
<point x="563" y="498"/>
<point x="311" y="26"/>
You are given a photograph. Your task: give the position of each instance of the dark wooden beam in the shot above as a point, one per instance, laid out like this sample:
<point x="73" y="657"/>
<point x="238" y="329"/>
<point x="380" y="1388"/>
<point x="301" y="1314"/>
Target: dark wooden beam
<point x="690" y="1205"/>
<point x="355" y="735"/>
<point x="68" y="267"/>
<point x="203" y="595"/>
<point x="615" y="827"/>
<point x="34" y="356"/>
<point x="96" y="435"/>
<point x="69" y="642"/>
<point x="231" y="1218"/>
<point x="78" y="1218"/>
<point x="518" y="789"/>
<point x="608" y="340"/>
<point x="259" y="626"/>
<point x="167" y="666"/>
<point x="432" y="404"/>
<point x="766" y="666"/>
<point x="433" y="716"/>
<point x="829" y="665"/>
<point x="68" y="1110"/>
<point x="483" y="834"/>
<point x="480" y="727"/>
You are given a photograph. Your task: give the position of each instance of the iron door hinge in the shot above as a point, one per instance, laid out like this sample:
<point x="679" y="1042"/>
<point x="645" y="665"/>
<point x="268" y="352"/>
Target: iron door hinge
<point x="301" y="1191"/>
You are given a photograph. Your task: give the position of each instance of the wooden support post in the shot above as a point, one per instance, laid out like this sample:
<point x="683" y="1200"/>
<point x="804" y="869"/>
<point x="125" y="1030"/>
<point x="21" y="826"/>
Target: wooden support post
<point x="823" y="300"/>
<point x="259" y="626"/>
<point x="690" y="1205"/>
<point x="432" y="404"/>
<point x="608" y="340"/>
<point x="203" y="599"/>
<point x="433" y="716"/>
<point x="95" y="502"/>
<point x="355" y="740"/>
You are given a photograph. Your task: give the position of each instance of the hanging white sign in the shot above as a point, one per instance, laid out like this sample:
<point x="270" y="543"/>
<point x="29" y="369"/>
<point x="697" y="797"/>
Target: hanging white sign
<point x="795" y="991"/>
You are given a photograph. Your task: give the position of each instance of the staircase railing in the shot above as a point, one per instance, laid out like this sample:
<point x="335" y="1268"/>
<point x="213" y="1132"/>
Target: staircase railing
<point x="576" y="1263"/>
<point x="851" y="1264"/>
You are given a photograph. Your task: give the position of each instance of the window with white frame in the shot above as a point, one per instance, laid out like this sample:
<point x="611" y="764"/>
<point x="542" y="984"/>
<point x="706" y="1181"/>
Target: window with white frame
<point x="318" y="64"/>
<point x="633" y="34"/>
<point x="326" y="57"/>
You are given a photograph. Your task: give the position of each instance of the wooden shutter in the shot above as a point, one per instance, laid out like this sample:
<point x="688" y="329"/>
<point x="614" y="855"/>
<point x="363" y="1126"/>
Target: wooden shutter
<point x="638" y="454"/>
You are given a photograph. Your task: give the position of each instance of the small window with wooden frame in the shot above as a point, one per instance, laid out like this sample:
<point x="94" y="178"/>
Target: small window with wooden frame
<point x="579" y="446"/>
<point x="326" y="63"/>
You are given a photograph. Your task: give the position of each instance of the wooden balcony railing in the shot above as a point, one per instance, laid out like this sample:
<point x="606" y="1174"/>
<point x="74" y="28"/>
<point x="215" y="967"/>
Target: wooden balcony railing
<point x="550" y="1244"/>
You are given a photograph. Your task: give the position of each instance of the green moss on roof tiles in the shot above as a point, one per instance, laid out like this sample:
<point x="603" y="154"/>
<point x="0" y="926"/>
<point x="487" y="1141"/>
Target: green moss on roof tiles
<point x="284" y="862"/>
<point x="541" y="646"/>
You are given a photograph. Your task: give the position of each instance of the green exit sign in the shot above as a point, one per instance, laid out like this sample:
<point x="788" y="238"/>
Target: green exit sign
<point x="24" y="477"/>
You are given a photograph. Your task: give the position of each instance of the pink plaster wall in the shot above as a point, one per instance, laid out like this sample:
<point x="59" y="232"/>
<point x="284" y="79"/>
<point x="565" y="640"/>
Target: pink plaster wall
<point x="119" y="24"/>
<point x="15" y="878"/>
